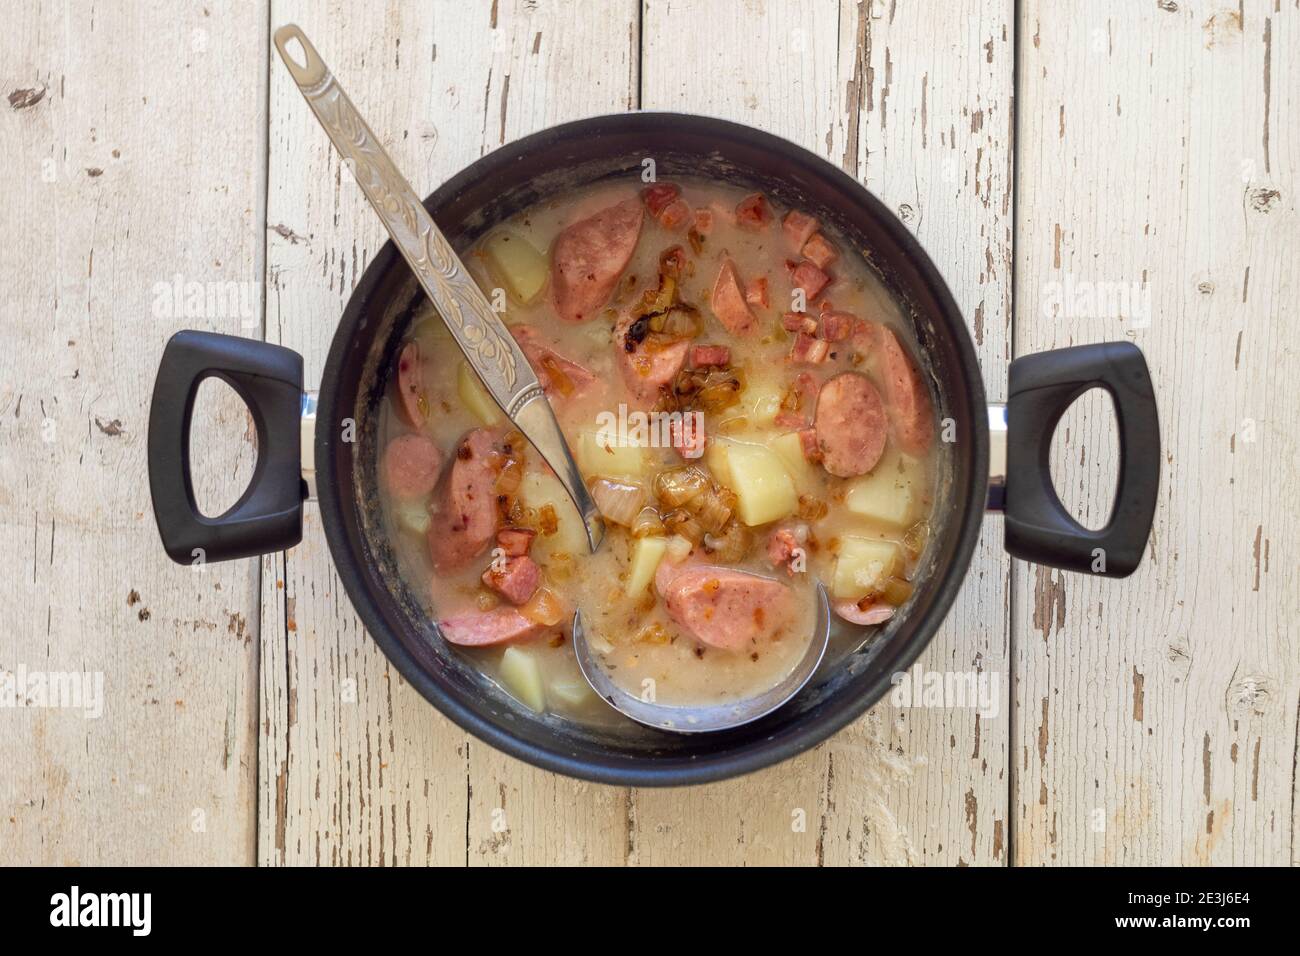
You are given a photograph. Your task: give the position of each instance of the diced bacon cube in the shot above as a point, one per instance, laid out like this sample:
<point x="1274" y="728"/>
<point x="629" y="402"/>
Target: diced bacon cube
<point x="675" y="215"/>
<point x="836" y="326"/>
<point x="515" y="579"/>
<point x="687" y="435"/>
<point x="515" y="542"/>
<point x="805" y="275"/>
<point x="657" y="197"/>
<point x="809" y="350"/>
<point x="756" y="291"/>
<point x="808" y="442"/>
<point x="784" y="543"/>
<point x="753" y="213"/>
<point x="820" y="251"/>
<point x="799" y="322"/>
<point x="798" y="228"/>
<point x="702" y="355"/>
<point x="704" y="221"/>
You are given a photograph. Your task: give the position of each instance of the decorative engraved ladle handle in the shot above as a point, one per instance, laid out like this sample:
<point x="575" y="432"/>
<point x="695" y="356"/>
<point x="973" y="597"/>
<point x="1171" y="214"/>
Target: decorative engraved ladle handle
<point x="489" y="347"/>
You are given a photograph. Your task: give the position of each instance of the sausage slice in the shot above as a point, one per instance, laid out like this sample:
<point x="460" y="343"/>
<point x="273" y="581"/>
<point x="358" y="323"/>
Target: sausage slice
<point x="501" y="625"/>
<point x="588" y="257"/>
<point x="413" y="404"/>
<point x="647" y="365"/>
<point x="850" y="424"/>
<point x="411" y="466"/>
<point x="467" y="516"/>
<point x="559" y="377"/>
<point x="906" y="397"/>
<point x="727" y="609"/>
<point x="728" y="301"/>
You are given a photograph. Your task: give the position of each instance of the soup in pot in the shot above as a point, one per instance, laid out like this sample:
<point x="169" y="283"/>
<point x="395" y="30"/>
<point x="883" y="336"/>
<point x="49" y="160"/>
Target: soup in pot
<point x="740" y="394"/>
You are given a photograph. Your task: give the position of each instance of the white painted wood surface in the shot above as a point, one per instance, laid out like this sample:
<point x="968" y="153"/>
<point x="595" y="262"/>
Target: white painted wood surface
<point x="1156" y="716"/>
<point x="112" y="180"/>
<point x="915" y="101"/>
<point x="1155" y="146"/>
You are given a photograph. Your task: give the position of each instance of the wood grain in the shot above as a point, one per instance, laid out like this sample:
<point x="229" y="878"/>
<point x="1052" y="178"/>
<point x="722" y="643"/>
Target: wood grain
<point x="114" y="184"/>
<point x="355" y="765"/>
<point x="1156" y="716"/>
<point x="915" y="100"/>
<point x="1154" y="162"/>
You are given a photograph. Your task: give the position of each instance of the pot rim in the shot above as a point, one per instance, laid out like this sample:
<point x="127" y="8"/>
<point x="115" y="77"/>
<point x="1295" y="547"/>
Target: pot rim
<point x="626" y="770"/>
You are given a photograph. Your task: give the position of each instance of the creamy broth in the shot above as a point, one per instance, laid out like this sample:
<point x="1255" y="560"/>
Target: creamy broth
<point x="692" y="630"/>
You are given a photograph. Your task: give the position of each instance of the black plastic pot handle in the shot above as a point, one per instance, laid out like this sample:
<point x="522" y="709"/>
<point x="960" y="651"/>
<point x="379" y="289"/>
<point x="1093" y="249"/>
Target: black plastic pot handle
<point x="1041" y="388"/>
<point x="268" y="517"/>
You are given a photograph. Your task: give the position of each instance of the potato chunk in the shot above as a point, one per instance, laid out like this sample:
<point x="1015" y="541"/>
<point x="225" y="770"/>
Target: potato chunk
<point x="522" y="677"/>
<point x="790" y="450"/>
<point x="601" y="456"/>
<point x="646" y="555"/>
<point x="889" y="494"/>
<point x="763" y="400"/>
<point x="475" y="397"/>
<point x="862" y="566"/>
<point x="570" y="691"/>
<point x="516" y="263"/>
<point x="763" y="487"/>
<point x="539" y="491"/>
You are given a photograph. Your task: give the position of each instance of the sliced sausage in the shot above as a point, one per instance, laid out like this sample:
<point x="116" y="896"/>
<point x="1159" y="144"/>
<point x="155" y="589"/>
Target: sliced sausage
<point x="728" y="301"/>
<point x="558" y="376"/>
<point x="411" y="466"/>
<point x="872" y="614"/>
<point x="413" y="402"/>
<point x="725" y="608"/>
<point x="906" y="397"/>
<point x="515" y="579"/>
<point x="647" y="365"/>
<point x="588" y="257"/>
<point x="798" y="228"/>
<point x="467" y="515"/>
<point x="501" y="625"/>
<point x="850" y="424"/>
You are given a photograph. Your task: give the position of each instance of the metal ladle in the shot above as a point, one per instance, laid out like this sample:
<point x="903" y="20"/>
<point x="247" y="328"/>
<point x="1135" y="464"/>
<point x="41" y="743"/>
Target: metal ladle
<point x="687" y="719"/>
<point x="501" y="365"/>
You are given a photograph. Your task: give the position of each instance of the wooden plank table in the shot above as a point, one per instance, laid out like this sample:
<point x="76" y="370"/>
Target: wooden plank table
<point x="1125" y="171"/>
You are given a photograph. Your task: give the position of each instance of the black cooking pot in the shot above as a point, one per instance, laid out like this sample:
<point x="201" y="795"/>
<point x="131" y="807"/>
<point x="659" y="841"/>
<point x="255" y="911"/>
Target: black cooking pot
<point x="270" y="379"/>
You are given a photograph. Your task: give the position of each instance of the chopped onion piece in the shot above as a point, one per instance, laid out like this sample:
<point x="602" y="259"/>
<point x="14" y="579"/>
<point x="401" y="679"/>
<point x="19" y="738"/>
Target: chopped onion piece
<point x="647" y="523"/>
<point x="679" y="548"/>
<point x="618" y="501"/>
<point x="679" y="485"/>
<point x="543" y="608"/>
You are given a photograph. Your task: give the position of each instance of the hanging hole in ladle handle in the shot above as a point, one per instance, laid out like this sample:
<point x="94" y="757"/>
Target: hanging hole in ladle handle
<point x="304" y="63"/>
